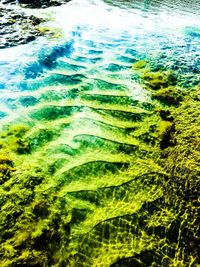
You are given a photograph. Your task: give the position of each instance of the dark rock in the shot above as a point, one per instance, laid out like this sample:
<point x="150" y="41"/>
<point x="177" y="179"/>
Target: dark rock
<point x="17" y="28"/>
<point x="42" y="3"/>
<point x="8" y="2"/>
<point x="35" y="3"/>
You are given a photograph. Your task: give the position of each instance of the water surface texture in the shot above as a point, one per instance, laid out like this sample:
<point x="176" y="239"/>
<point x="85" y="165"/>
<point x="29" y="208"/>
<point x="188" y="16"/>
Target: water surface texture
<point x="85" y="119"/>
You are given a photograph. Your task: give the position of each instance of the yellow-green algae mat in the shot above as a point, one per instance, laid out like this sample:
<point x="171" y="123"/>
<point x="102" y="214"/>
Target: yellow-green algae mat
<point x="122" y="193"/>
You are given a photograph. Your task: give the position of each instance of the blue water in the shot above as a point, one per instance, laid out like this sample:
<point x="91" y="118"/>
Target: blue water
<point x="99" y="44"/>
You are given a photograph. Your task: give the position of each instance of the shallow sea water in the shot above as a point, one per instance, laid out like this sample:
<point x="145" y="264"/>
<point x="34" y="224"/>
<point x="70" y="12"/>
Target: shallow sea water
<point x="101" y="41"/>
<point x="91" y="121"/>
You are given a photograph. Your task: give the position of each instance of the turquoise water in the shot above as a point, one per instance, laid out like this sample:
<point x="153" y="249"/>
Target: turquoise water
<point x="93" y="133"/>
<point x="101" y="40"/>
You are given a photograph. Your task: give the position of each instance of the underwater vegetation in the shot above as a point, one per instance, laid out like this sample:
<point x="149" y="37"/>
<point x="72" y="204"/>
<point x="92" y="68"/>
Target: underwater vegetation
<point x="163" y="84"/>
<point x="12" y="139"/>
<point x="91" y="176"/>
<point x="31" y="222"/>
<point x="182" y="188"/>
<point x="149" y="219"/>
<point x="6" y="167"/>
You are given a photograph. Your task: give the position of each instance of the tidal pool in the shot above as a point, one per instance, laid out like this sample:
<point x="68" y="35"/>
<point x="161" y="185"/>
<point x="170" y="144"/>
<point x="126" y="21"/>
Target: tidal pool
<point x="99" y="162"/>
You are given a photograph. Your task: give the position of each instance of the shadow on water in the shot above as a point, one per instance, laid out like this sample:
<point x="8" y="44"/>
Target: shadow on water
<point x="47" y="59"/>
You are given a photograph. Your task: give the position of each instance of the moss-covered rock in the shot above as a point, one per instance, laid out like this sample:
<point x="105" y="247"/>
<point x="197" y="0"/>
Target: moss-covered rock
<point x="154" y="79"/>
<point x="140" y="65"/>
<point x="13" y="139"/>
<point x="6" y="167"/>
<point x="170" y="95"/>
<point x="34" y="223"/>
<point x="182" y="189"/>
<point x="157" y="80"/>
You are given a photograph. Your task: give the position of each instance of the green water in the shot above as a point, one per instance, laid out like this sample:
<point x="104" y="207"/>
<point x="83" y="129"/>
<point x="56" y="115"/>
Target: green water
<point x="100" y="140"/>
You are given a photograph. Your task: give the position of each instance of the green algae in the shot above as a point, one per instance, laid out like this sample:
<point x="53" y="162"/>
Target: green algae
<point x="29" y="218"/>
<point x="12" y="139"/>
<point x="6" y="168"/>
<point x="119" y="188"/>
<point x="52" y="33"/>
<point x="28" y="101"/>
<point x="53" y="112"/>
<point x="37" y="237"/>
<point x="157" y="80"/>
<point x="140" y="64"/>
<point x="39" y="137"/>
<point x="182" y="189"/>
<point x="163" y="83"/>
<point x="170" y="95"/>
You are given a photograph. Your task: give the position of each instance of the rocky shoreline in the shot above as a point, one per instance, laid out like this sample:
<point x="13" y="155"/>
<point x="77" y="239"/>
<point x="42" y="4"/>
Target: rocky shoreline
<point x="35" y="3"/>
<point x="18" y="28"/>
